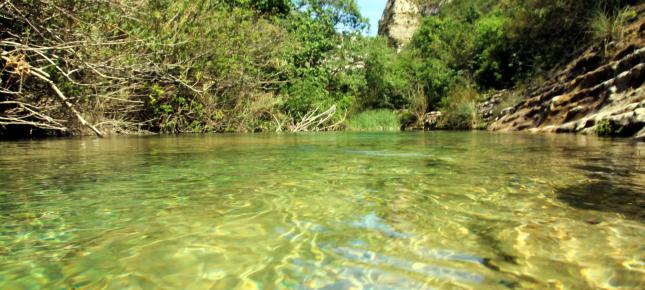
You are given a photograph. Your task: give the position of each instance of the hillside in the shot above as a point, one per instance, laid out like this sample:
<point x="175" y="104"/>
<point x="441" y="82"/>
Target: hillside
<point x="603" y="90"/>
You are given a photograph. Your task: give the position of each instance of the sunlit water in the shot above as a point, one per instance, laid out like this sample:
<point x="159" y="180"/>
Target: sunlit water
<point x="323" y="211"/>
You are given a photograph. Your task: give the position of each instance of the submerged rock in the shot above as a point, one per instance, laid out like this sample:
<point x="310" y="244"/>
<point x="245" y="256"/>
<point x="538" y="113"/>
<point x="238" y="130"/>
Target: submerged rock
<point x="372" y="222"/>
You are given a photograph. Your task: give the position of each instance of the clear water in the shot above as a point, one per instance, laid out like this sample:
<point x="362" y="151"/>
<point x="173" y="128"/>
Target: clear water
<point x="323" y="211"/>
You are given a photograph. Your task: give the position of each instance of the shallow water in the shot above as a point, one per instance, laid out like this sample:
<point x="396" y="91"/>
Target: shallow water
<point x="439" y="210"/>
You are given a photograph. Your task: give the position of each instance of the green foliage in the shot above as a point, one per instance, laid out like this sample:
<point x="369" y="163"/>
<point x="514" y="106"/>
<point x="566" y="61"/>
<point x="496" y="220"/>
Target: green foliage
<point x="343" y="15"/>
<point x="493" y="63"/>
<point x="434" y="55"/>
<point x="196" y="98"/>
<point x="388" y="81"/>
<point x="241" y="65"/>
<point x="307" y="93"/>
<point x="606" y="128"/>
<point x="497" y="44"/>
<point x="321" y="68"/>
<point x="260" y="65"/>
<point x="272" y="7"/>
<point x="543" y="32"/>
<point x="374" y="120"/>
<point x="613" y="128"/>
<point x="407" y="119"/>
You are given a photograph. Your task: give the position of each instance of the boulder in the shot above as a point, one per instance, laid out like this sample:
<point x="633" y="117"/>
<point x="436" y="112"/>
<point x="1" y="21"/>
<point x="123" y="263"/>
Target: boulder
<point x="432" y="120"/>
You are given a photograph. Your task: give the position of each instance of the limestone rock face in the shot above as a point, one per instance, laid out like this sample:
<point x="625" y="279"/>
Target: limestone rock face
<point x="612" y="91"/>
<point x="591" y="90"/>
<point x="400" y="20"/>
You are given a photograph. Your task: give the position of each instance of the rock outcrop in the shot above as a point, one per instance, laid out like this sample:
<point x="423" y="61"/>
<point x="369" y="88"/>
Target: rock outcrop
<point x="432" y="120"/>
<point x="487" y="110"/>
<point x="596" y="89"/>
<point x="402" y="18"/>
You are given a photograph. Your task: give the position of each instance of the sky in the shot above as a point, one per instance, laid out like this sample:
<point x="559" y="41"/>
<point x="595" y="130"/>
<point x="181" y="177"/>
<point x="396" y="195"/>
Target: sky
<point x="372" y="9"/>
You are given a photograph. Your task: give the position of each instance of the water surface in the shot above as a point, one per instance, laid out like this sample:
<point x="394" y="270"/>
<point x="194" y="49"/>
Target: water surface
<point x="323" y="211"/>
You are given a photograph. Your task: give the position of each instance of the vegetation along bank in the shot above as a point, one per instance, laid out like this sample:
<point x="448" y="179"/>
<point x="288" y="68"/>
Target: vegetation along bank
<point x="132" y="67"/>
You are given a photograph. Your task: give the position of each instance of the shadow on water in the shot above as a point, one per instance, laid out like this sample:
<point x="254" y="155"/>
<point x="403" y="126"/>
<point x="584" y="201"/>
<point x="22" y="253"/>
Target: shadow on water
<point x="605" y="195"/>
<point x="613" y="184"/>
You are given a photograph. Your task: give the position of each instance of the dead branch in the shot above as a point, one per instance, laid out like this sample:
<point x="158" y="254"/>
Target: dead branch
<point x="67" y="104"/>
<point x="38" y="73"/>
<point x="305" y="124"/>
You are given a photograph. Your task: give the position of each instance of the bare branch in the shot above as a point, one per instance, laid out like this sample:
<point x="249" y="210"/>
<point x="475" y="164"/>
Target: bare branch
<point x="309" y="119"/>
<point x="37" y="73"/>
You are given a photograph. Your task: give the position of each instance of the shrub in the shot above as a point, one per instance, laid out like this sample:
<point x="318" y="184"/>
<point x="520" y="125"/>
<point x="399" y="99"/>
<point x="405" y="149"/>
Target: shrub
<point x="493" y="64"/>
<point x="186" y="66"/>
<point x="408" y="119"/>
<point x="459" y="117"/>
<point x="459" y="108"/>
<point x="509" y="99"/>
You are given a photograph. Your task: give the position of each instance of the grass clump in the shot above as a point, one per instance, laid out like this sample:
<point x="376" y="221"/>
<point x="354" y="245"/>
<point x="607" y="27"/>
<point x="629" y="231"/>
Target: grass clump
<point x="609" y="27"/>
<point x="374" y="120"/>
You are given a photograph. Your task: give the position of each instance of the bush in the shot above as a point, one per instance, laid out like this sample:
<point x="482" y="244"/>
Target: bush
<point x="459" y="108"/>
<point x="374" y="120"/>
<point x="188" y="66"/>
<point x="546" y="32"/>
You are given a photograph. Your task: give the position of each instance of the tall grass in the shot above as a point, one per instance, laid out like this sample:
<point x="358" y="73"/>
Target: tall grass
<point x="374" y="120"/>
<point x="607" y="27"/>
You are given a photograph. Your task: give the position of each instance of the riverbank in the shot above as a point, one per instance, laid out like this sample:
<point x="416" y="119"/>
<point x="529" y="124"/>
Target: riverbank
<point x="114" y="69"/>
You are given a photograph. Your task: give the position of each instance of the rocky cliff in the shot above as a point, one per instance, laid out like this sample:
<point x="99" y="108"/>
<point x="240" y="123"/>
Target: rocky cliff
<point x="401" y="18"/>
<point x="602" y="91"/>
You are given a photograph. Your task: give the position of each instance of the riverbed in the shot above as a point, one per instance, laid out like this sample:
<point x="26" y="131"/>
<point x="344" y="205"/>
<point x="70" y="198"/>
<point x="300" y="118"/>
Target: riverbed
<point x="441" y="210"/>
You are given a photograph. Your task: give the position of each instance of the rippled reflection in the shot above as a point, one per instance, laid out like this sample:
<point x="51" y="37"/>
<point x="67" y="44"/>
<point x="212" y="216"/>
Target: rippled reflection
<point x="323" y="211"/>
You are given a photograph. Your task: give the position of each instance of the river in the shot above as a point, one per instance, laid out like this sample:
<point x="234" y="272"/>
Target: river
<point x="442" y="210"/>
